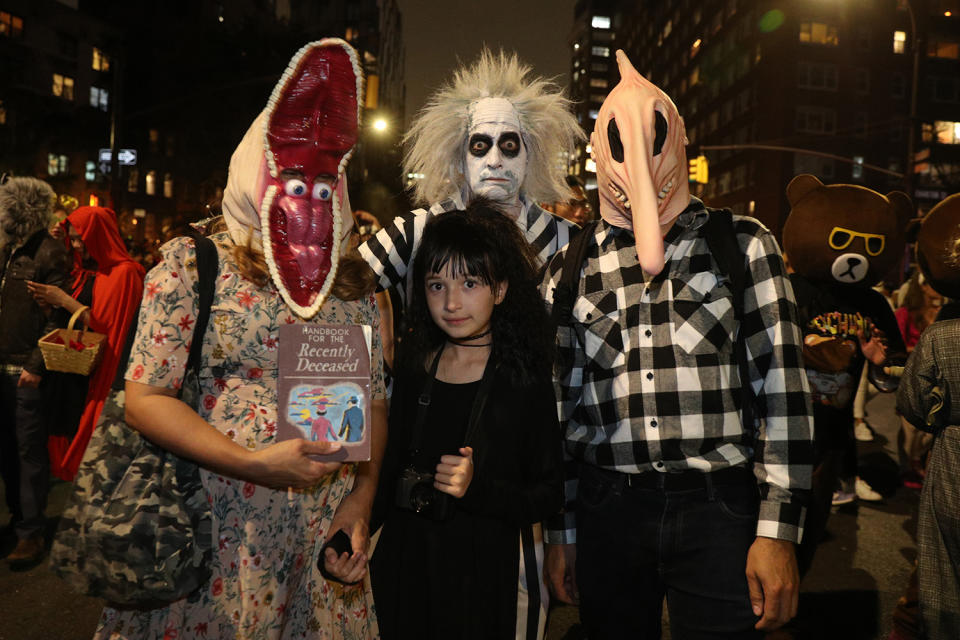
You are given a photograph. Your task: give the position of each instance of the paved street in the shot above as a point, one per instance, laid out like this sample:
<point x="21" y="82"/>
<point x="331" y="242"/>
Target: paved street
<point x="859" y="572"/>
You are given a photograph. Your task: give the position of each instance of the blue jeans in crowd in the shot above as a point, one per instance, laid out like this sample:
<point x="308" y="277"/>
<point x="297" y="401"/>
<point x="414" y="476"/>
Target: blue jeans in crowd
<point x="683" y="536"/>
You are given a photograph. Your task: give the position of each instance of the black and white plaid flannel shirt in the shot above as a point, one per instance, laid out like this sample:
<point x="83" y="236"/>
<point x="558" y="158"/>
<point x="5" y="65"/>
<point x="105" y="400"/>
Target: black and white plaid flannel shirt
<point x="647" y="379"/>
<point x="390" y="252"/>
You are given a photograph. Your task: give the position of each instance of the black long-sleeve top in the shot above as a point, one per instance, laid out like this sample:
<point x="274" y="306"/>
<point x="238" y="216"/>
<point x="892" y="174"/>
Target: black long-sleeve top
<point x="457" y="578"/>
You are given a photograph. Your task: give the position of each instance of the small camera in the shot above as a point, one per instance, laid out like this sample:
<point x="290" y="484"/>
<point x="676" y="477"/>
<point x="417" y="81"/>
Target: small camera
<point x="415" y="492"/>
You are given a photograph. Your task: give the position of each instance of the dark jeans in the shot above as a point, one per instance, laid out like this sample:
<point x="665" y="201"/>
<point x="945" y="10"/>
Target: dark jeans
<point x="24" y="464"/>
<point x="636" y="544"/>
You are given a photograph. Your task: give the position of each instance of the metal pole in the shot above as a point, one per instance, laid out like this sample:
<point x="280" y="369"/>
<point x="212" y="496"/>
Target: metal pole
<point x="116" y="185"/>
<point x="914" y="82"/>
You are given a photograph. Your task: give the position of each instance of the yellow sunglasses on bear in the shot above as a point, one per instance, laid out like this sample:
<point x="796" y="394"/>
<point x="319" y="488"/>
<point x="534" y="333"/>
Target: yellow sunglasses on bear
<point x="841" y="238"/>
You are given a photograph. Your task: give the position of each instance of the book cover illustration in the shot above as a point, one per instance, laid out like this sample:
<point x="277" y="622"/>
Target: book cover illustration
<point x="324" y="386"/>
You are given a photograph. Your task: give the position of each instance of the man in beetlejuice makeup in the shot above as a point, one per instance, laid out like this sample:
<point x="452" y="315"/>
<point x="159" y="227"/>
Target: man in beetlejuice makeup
<point x="495" y="132"/>
<point x="668" y="492"/>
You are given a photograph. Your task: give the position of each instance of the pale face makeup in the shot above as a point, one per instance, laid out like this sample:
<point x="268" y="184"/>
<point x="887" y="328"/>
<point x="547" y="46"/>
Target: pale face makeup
<point x="496" y="157"/>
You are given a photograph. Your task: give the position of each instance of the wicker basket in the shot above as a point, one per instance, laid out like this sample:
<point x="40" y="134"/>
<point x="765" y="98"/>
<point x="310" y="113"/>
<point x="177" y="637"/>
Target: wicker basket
<point x="72" y="350"/>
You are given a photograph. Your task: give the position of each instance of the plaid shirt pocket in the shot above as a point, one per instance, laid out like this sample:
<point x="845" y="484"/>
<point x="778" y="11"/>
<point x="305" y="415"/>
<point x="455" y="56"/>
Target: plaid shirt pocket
<point x="704" y="322"/>
<point x="598" y="325"/>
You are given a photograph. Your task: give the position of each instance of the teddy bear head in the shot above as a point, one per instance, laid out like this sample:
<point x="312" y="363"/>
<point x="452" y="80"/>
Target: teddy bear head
<point x="844" y="233"/>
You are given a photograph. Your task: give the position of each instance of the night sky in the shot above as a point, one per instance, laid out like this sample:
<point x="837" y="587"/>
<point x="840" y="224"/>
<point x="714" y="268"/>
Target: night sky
<point x="438" y="34"/>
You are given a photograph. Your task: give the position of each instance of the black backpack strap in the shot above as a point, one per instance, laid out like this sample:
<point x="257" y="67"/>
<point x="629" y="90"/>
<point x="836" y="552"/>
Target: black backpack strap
<point x="721" y="238"/>
<point x="208" y="268"/>
<point x="565" y="294"/>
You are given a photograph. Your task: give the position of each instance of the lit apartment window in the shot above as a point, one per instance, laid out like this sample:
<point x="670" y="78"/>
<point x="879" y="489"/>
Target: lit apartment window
<point x="11" y="25"/>
<point x="593" y="114"/>
<point x="598" y="97"/>
<point x="598" y="67"/>
<point x="3" y="113"/>
<point x="943" y="49"/>
<point x="600" y="22"/>
<point x="816" y="120"/>
<point x="351" y="34"/>
<point x="947" y="132"/>
<point x="599" y="83"/>
<point x="857" y="172"/>
<point x="100" y="60"/>
<point x="57" y="165"/>
<point x="133" y="180"/>
<point x="99" y="98"/>
<point x="154" y="136"/>
<point x="812" y="75"/>
<point x="90" y="171"/>
<point x="62" y="86"/>
<point x="899" y="41"/>
<point x="603" y="52"/>
<point x="818" y="33"/>
<point x="151" y="183"/>
<point x="167" y="185"/>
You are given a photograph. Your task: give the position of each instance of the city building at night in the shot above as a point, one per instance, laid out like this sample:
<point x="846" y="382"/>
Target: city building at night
<point x="56" y="95"/>
<point x="175" y="90"/>
<point x="824" y="87"/>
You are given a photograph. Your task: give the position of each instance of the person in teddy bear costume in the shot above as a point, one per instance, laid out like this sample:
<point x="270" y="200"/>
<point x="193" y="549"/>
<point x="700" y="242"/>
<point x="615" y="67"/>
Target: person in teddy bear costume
<point x="924" y="400"/>
<point x="840" y="240"/>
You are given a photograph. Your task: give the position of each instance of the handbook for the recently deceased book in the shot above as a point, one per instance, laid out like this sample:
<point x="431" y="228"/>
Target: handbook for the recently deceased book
<point x="324" y="386"/>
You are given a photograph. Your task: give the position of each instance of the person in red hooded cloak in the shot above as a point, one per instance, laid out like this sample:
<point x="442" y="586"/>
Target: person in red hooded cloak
<point x="117" y="289"/>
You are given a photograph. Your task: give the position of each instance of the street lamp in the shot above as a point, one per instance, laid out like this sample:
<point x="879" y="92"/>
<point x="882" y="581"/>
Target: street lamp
<point x="380" y="124"/>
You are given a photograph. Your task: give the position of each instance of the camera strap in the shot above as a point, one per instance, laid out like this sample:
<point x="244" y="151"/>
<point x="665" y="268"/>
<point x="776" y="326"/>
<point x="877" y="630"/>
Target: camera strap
<point x="423" y="403"/>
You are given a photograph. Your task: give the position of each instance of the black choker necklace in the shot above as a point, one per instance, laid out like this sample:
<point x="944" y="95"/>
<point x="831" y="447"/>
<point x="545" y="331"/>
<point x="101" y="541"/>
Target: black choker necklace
<point x="460" y="342"/>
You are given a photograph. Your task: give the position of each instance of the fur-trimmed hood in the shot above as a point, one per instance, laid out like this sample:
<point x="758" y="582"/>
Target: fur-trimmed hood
<point x="26" y="206"/>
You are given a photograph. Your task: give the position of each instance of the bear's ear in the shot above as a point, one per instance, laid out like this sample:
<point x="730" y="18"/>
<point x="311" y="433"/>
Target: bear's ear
<point x="902" y="205"/>
<point x="801" y="186"/>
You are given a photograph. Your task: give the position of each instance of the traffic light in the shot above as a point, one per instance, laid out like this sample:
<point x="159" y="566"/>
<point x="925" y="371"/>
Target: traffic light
<point x="699" y="169"/>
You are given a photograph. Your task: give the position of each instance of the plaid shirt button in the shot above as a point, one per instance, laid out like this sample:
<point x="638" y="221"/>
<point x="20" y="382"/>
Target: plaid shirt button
<point x="649" y="376"/>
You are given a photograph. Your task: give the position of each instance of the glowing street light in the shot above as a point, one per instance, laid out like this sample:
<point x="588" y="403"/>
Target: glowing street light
<point x="380" y="124"/>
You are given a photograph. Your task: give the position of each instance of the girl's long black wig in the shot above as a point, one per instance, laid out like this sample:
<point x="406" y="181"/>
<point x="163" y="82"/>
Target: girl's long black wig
<point x="486" y="244"/>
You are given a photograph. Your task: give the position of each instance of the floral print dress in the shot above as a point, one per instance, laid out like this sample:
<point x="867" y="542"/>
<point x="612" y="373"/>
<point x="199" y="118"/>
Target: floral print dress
<point x="265" y="582"/>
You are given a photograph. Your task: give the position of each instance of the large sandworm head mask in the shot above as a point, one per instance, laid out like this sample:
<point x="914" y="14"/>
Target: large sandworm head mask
<point x="638" y="145"/>
<point x="310" y="128"/>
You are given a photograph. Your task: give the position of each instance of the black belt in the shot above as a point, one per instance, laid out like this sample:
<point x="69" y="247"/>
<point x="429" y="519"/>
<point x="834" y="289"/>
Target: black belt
<point x="679" y="480"/>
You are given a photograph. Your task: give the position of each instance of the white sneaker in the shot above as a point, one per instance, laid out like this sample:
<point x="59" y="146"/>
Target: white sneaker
<point x="866" y="492"/>
<point x="862" y="431"/>
<point x="843" y="497"/>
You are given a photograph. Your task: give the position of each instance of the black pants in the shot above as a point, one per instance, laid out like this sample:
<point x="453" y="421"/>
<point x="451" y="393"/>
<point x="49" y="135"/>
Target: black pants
<point x="636" y="545"/>
<point x="24" y="464"/>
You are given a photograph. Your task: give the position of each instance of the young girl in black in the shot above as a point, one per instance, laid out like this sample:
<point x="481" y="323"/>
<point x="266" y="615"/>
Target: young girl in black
<point x="474" y="451"/>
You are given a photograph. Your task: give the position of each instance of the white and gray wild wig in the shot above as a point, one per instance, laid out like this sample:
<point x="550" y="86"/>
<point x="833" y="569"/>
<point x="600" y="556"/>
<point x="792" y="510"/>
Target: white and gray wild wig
<point x="436" y="143"/>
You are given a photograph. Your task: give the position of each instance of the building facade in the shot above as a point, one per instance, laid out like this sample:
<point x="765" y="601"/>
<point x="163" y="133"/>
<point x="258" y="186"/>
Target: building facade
<point x="771" y="90"/>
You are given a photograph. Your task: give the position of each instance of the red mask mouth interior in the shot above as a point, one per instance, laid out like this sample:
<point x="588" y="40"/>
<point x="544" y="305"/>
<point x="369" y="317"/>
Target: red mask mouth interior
<point x="312" y="127"/>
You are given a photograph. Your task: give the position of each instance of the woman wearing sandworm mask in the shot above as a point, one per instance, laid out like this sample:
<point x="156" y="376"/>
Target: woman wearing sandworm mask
<point x="272" y="506"/>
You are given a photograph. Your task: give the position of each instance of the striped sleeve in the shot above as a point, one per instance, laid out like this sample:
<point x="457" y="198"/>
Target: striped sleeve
<point x="391" y="250"/>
